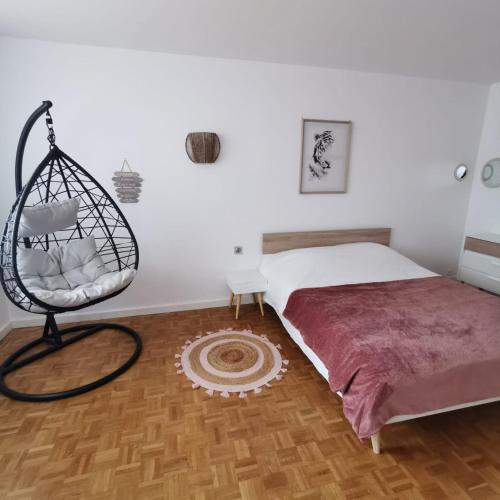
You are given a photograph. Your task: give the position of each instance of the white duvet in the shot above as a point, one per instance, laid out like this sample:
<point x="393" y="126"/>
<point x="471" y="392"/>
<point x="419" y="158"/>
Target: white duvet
<point x="329" y="266"/>
<point x="337" y="265"/>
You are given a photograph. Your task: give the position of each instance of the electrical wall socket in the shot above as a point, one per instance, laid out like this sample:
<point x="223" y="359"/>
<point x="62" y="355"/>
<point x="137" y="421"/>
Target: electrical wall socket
<point x="238" y="250"/>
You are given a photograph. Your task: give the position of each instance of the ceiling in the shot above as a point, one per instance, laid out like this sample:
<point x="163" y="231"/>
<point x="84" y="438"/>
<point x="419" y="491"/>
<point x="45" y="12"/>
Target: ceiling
<point x="445" y="39"/>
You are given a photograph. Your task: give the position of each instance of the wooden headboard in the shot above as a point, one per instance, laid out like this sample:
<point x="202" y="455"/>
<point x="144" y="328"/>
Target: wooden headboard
<point x="279" y="242"/>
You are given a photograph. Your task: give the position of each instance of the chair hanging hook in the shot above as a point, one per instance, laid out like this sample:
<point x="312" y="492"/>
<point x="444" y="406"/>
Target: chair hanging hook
<point x="52" y="136"/>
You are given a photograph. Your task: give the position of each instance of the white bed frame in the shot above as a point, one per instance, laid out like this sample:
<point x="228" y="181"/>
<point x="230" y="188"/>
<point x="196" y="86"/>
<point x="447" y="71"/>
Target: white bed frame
<point x="279" y="242"/>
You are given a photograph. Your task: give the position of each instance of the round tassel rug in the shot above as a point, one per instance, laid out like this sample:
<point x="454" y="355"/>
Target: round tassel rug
<point x="230" y="361"/>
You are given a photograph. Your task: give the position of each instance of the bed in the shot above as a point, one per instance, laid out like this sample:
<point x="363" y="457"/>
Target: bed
<point x="323" y="283"/>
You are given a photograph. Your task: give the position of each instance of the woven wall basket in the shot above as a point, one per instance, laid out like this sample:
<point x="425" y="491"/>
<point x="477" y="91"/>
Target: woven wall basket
<point x="202" y="147"/>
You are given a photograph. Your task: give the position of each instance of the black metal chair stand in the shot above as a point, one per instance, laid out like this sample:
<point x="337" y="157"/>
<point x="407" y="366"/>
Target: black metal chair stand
<point x="52" y="337"/>
<point x="59" y="178"/>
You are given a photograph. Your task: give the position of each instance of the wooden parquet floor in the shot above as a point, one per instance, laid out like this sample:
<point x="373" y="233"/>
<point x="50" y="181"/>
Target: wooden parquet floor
<point x="148" y="435"/>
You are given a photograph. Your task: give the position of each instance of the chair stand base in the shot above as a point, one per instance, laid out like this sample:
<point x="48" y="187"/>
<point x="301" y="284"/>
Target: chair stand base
<point x="52" y="337"/>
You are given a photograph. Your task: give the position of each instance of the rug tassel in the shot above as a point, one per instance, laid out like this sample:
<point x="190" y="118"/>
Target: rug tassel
<point x="177" y="356"/>
<point x="242" y="395"/>
<point x="285" y="361"/>
<point x="278" y="346"/>
<point x="180" y="371"/>
<point x="198" y="336"/>
<point x="210" y="392"/>
<point x="283" y="370"/>
<point x="188" y="342"/>
<point x="177" y="365"/>
<point x="195" y="386"/>
<point x="183" y="347"/>
<point x="278" y="377"/>
<point x="224" y="394"/>
<point x="268" y="385"/>
<point x="257" y="390"/>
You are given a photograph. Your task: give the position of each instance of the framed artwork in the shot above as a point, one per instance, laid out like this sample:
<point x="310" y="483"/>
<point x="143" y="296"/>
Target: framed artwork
<point x="325" y="156"/>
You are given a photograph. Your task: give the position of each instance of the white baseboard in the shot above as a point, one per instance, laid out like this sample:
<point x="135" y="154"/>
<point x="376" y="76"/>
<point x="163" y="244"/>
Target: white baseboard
<point x="70" y="317"/>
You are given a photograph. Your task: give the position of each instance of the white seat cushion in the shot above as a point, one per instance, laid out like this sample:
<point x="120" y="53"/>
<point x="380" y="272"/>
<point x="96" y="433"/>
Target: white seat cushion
<point x="104" y="285"/>
<point x="69" y="275"/>
<point x="48" y="218"/>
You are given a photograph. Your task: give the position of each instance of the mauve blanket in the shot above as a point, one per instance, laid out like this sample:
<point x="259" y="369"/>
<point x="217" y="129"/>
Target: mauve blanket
<point x="402" y="347"/>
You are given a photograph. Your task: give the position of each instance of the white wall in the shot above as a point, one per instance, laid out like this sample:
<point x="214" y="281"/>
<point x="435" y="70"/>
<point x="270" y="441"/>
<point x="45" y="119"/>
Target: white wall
<point x="408" y="136"/>
<point x="4" y="316"/>
<point x="484" y="208"/>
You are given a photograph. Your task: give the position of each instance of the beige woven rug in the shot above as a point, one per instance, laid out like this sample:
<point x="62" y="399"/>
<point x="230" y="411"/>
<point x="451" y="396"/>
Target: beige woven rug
<point x="231" y="361"/>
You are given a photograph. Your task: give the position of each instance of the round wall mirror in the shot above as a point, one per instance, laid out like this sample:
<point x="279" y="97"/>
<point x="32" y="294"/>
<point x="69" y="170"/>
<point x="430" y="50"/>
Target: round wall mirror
<point x="490" y="174"/>
<point x="460" y="172"/>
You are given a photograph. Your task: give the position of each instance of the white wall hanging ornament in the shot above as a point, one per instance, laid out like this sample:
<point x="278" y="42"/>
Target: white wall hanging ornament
<point x="127" y="184"/>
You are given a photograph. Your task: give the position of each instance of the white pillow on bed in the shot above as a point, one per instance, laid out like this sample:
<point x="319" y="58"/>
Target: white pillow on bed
<point x="48" y="218"/>
<point x="334" y="265"/>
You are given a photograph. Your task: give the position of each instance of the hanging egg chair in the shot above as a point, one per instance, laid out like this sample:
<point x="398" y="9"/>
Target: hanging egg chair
<point x="66" y="245"/>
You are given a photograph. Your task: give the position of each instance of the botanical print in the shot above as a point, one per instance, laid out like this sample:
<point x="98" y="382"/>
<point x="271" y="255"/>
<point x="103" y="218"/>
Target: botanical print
<point x="325" y="156"/>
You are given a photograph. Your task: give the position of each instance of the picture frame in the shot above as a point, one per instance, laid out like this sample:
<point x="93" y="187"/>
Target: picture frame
<point x="325" y="156"/>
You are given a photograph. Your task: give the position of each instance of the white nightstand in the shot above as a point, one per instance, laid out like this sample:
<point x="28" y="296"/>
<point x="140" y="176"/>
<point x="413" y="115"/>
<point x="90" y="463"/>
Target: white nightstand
<point x="241" y="282"/>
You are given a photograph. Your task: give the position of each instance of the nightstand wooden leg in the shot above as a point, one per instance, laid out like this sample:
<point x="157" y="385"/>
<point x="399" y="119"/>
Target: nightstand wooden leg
<point x="259" y="297"/>
<point x="238" y="302"/>
<point x="231" y="298"/>
<point x="254" y="298"/>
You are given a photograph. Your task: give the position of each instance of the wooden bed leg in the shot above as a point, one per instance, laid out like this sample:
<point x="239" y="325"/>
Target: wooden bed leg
<point x="259" y="298"/>
<point x="238" y="303"/>
<point x="376" y="443"/>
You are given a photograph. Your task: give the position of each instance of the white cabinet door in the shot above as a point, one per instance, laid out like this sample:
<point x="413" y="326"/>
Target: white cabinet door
<point x="481" y="262"/>
<point x="481" y="280"/>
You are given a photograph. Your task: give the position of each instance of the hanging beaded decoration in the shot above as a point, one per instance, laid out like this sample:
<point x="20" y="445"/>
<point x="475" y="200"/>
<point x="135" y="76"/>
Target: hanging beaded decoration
<point x="128" y="184"/>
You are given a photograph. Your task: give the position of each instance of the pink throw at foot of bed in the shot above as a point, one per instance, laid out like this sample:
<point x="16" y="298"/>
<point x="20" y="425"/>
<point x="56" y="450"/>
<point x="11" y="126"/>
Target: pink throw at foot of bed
<point x="402" y="347"/>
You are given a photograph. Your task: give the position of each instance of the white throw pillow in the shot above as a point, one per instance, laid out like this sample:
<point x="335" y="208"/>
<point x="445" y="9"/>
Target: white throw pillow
<point x="40" y="270"/>
<point x="48" y="218"/>
<point x="80" y="263"/>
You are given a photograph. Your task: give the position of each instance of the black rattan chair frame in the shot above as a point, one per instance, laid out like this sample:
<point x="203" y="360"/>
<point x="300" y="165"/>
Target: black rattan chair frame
<point x="59" y="177"/>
